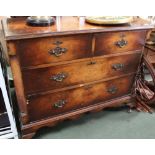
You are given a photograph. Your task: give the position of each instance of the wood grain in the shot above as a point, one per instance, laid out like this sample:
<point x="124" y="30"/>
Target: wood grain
<point x="106" y="42"/>
<point x="38" y="80"/>
<point x="88" y="53"/>
<point x="18" y="29"/>
<point x="34" y="52"/>
<point x="40" y="107"/>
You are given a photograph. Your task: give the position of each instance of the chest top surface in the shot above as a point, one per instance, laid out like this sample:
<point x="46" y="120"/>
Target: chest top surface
<point x="18" y="29"/>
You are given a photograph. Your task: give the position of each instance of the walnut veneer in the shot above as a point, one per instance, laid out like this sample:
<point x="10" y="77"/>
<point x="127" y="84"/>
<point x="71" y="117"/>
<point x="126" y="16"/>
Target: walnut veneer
<point x="72" y="67"/>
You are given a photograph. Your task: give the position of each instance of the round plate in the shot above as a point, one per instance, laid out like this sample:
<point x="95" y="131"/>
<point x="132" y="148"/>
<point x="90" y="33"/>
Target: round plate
<point x="108" y="20"/>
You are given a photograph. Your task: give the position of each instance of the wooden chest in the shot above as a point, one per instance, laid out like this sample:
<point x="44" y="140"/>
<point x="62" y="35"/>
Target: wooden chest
<point x="71" y="68"/>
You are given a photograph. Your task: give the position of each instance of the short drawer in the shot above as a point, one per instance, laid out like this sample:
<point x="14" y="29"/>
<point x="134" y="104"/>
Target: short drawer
<point x="111" y="43"/>
<point x="40" y="51"/>
<point x="44" y="106"/>
<point x="56" y="77"/>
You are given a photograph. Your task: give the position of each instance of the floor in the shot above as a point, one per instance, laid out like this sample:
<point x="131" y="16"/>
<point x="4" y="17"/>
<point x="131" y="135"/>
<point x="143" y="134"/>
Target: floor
<point x="108" y="124"/>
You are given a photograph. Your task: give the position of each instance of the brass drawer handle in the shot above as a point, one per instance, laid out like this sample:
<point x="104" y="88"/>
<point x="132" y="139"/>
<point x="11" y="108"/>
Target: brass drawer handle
<point x="59" y="77"/>
<point x="118" y="66"/>
<point x="112" y="90"/>
<point x="91" y="63"/>
<point x="58" y="51"/>
<point x="121" y="43"/>
<point x="60" y="104"/>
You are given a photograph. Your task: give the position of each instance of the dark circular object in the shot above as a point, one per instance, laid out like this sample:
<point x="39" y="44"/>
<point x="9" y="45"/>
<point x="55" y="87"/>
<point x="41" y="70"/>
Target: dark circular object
<point x="40" y="22"/>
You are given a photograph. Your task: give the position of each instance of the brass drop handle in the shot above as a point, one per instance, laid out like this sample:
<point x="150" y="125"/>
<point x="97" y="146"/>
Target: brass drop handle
<point x="112" y="90"/>
<point x="121" y="43"/>
<point x="118" y="66"/>
<point x="59" y="77"/>
<point x="58" y="51"/>
<point x="60" y="104"/>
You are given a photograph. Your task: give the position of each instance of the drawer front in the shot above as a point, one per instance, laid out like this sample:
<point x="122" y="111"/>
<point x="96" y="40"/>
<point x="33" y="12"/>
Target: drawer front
<point x="56" y="77"/>
<point x="44" y="106"/>
<point x="40" y="51"/>
<point x="111" y="43"/>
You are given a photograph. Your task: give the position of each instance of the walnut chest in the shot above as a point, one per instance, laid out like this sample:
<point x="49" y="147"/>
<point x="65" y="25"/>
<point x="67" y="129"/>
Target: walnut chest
<point x="70" y="68"/>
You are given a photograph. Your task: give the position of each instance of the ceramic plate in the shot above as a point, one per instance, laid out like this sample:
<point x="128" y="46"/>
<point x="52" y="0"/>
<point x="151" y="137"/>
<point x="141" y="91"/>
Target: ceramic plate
<point x="109" y="19"/>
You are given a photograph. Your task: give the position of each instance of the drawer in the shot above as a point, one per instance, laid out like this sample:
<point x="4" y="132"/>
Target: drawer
<point x="40" y="51"/>
<point x="111" y="43"/>
<point x="44" y="106"/>
<point x="56" y="77"/>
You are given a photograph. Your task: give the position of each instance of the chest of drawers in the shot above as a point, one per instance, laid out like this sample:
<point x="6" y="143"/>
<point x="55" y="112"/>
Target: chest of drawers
<point x="70" y="68"/>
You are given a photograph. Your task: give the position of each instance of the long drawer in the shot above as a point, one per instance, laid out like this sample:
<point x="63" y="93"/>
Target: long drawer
<point x="117" y="42"/>
<point x="56" y="77"/>
<point x="40" y="51"/>
<point x="47" y="105"/>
